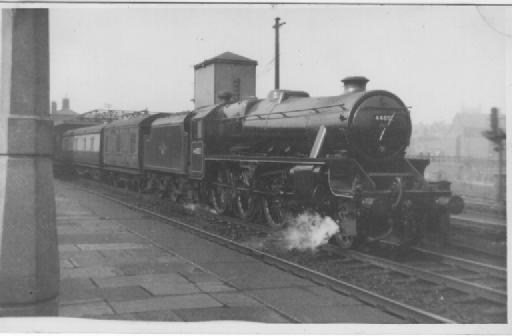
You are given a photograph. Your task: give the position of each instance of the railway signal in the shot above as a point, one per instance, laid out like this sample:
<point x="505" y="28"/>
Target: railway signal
<point x="497" y="136"/>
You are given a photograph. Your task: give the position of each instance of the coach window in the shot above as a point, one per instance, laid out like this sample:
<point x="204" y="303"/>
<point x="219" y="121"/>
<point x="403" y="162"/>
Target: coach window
<point x="118" y="142"/>
<point x="111" y="142"/>
<point x="133" y="142"/>
<point x="92" y="144"/>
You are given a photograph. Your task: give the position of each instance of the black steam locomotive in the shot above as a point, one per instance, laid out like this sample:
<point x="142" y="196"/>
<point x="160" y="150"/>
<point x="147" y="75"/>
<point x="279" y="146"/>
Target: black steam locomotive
<point x="341" y="156"/>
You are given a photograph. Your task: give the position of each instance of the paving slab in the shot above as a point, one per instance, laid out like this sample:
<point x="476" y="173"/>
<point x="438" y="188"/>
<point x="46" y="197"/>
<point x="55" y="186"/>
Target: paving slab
<point x="255" y="314"/>
<point x="68" y="248"/>
<point x="99" y="224"/>
<point x="99" y="238"/>
<point x="85" y="309"/>
<point x="119" y="317"/>
<point x="235" y="299"/>
<point x="87" y="272"/>
<point x="70" y="284"/>
<point x="170" y="288"/>
<point x="214" y="287"/>
<point x="199" y="276"/>
<point x="152" y="253"/>
<point x="73" y="227"/>
<point x="156" y="268"/>
<point x="115" y="254"/>
<point x="159" y="315"/>
<point x="212" y="253"/>
<point x="165" y="303"/>
<point x="70" y="219"/>
<point x="134" y="280"/>
<point x="87" y="258"/>
<point x="108" y="294"/>
<point x="64" y="263"/>
<point x="111" y="246"/>
<point x="256" y="275"/>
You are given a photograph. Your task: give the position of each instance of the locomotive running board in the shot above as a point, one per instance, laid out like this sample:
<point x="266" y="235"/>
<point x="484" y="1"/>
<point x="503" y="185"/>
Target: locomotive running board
<point x="267" y="159"/>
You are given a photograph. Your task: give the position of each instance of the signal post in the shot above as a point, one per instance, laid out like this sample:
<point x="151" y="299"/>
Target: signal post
<point x="29" y="267"/>
<point x="497" y="136"/>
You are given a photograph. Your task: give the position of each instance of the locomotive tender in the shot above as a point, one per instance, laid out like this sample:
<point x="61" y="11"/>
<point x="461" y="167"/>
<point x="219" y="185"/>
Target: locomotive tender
<point x="341" y="156"/>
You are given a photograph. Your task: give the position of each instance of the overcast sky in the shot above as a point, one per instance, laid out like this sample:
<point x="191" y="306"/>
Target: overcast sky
<point x="436" y="58"/>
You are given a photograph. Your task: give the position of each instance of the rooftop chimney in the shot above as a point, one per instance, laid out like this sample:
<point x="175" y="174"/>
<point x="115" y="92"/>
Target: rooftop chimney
<point x="355" y="83"/>
<point x="65" y="104"/>
<point x="54" y="107"/>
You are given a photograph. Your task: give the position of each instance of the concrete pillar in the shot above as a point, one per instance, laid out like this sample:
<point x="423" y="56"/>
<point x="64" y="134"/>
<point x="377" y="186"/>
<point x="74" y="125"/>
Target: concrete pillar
<point x="29" y="267"/>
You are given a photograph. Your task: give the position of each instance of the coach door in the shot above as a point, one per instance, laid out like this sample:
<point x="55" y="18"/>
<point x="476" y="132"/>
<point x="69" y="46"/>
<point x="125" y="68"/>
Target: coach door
<point x="197" y="149"/>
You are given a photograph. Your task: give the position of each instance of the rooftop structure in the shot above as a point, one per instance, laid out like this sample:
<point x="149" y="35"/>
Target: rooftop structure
<point x="227" y="72"/>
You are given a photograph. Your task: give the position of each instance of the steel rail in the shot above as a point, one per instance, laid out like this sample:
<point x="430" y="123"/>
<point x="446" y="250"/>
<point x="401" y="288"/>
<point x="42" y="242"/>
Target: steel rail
<point x="488" y="293"/>
<point x="477" y="224"/>
<point x="471" y="265"/>
<point x="467" y="264"/>
<point x="389" y="305"/>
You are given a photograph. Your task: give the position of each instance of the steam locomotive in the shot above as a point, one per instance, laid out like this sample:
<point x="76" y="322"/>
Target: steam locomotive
<point x="265" y="159"/>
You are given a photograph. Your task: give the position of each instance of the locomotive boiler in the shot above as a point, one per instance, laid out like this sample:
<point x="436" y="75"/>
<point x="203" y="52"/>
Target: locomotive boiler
<point x="268" y="159"/>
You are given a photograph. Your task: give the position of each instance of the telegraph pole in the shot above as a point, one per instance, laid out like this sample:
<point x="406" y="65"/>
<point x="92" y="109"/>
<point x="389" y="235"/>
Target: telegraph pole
<point x="276" y="28"/>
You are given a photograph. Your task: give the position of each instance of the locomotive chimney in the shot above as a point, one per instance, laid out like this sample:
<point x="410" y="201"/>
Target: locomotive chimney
<point x="354" y="83"/>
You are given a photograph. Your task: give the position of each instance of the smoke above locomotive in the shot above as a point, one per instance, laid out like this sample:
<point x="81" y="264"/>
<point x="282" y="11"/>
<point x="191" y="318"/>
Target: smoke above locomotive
<point x="341" y="157"/>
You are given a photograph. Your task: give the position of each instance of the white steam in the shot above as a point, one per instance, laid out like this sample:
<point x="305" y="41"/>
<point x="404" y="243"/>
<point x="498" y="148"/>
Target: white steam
<point x="199" y="206"/>
<point x="308" y="231"/>
<point x="191" y="206"/>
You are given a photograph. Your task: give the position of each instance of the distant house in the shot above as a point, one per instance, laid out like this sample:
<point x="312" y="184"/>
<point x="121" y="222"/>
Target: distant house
<point x="64" y="113"/>
<point x="461" y="138"/>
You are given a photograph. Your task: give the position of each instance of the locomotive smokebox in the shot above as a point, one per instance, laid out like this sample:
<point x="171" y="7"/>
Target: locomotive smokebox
<point x="354" y="83"/>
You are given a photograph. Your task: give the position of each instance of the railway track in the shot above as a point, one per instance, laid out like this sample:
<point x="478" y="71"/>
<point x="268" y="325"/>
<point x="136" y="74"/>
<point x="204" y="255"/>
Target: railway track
<point x="478" y="280"/>
<point x="488" y="238"/>
<point x="468" y="280"/>
<point x="402" y="310"/>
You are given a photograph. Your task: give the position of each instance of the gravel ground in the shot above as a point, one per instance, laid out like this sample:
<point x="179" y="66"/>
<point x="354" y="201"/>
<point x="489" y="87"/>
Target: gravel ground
<point x="436" y="299"/>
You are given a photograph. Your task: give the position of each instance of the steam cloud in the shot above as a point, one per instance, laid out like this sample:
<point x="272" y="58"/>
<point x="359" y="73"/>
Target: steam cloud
<point x="196" y="206"/>
<point x="308" y="231"/>
<point x="191" y="206"/>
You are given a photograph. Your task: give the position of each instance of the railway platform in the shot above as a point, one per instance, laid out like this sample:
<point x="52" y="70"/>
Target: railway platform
<point x="120" y="264"/>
